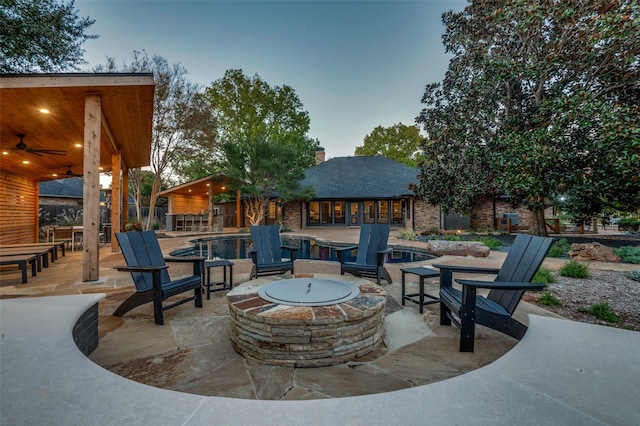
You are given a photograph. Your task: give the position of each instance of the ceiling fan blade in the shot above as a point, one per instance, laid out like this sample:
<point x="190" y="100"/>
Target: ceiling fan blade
<point x="47" y="151"/>
<point x="21" y="146"/>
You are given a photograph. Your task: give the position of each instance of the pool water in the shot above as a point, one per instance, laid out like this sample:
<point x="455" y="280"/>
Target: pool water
<point x="237" y="247"/>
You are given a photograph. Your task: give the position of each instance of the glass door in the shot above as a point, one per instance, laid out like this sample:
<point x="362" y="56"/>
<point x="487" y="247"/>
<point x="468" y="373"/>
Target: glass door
<point x="354" y="214"/>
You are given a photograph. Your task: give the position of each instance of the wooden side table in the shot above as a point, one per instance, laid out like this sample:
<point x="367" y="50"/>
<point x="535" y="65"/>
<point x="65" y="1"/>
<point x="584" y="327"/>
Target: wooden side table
<point x="217" y="263"/>
<point x="422" y="273"/>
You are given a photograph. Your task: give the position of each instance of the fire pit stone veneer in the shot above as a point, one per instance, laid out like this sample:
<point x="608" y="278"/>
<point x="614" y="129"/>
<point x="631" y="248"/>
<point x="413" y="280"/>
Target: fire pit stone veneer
<point x="306" y="336"/>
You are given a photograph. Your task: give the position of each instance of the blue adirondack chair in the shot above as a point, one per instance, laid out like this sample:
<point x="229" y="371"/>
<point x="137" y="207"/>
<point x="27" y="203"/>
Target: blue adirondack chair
<point x="372" y="253"/>
<point x="267" y="252"/>
<point x="465" y="308"/>
<point x="148" y="269"/>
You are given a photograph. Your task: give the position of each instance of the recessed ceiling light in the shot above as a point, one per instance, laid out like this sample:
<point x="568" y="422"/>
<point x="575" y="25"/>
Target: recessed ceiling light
<point x="25" y="162"/>
<point x="100" y="168"/>
<point x="5" y="152"/>
<point x="44" y="110"/>
<point x="78" y="145"/>
<point x="54" y="175"/>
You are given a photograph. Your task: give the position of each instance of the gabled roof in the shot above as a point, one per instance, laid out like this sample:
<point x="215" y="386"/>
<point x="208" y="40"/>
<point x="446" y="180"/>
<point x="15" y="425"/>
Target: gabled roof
<point x="62" y="188"/>
<point x="360" y="178"/>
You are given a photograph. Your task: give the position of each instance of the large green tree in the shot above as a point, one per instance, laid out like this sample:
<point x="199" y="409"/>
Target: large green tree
<point x="181" y="121"/>
<point x="540" y="98"/>
<point x="41" y="36"/>
<point x="263" y="134"/>
<point x="399" y="142"/>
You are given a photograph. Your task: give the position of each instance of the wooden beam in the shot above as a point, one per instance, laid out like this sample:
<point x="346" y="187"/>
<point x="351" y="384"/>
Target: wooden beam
<point x="109" y="134"/>
<point x="91" y="187"/>
<point x="116" y="189"/>
<point x="210" y="217"/>
<point x="238" y="210"/>
<point x="124" y="198"/>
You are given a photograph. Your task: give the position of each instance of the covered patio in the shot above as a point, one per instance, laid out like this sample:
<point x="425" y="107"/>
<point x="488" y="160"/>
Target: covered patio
<point x="192" y="204"/>
<point x="59" y="125"/>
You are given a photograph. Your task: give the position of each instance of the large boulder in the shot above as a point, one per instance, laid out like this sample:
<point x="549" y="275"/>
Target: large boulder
<point x="458" y="248"/>
<point x="593" y="251"/>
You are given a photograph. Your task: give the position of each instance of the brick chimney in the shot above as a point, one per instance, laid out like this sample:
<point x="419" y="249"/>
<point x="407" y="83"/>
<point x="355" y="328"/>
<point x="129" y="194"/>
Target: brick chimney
<point x="319" y="155"/>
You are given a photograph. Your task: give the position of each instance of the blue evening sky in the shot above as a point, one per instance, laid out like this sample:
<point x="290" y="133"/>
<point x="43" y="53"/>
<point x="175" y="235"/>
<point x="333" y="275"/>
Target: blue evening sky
<point x="354" y="65"/>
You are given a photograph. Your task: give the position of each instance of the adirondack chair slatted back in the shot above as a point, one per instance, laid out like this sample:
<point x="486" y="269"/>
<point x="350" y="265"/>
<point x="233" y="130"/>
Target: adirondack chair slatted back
<point x="266" y="241"/>
<point x="373" y="238"/>
<point x="524" y="258"/>
<point x="142" y="249"/>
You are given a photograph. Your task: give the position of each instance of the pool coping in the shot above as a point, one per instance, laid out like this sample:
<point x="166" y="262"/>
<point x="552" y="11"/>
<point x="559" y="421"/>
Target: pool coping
<point x="562" y="372"/>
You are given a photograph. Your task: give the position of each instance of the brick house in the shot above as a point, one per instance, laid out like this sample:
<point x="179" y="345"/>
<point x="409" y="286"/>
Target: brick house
<point x="350" y="191"/>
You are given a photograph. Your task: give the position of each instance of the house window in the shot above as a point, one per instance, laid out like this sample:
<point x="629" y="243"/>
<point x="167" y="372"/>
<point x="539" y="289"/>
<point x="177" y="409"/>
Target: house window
<point x="325" y="217"/>
<point x="369" y="212"/>
<point x="314" y="212"/>
<point x="339" y="212"/>
<point x="396" y="212"/>
<point x="383" y="212"/>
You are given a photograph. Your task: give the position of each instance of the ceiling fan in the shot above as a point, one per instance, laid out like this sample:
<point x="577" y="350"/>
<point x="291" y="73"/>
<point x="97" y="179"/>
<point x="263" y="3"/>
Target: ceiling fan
<point x="21" y="146"/>
<point x="69" y="173"/>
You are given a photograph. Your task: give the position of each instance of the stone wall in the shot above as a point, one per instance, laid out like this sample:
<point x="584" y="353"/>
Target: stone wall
<point x="425" y="216"/>
<point x="293" y="213"/>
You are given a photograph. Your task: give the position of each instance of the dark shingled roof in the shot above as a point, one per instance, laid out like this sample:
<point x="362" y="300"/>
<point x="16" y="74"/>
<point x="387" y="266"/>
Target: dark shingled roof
<point x="63" y="188"/>
<point x="360" y="178"/>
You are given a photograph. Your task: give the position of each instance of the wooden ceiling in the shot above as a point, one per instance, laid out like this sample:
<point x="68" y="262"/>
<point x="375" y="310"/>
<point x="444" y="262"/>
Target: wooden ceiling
<point x="200" y="186"/>
<point x="127" y="116"/>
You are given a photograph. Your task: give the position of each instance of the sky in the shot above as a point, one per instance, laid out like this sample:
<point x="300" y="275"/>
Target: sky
<point x="354" y="65"/>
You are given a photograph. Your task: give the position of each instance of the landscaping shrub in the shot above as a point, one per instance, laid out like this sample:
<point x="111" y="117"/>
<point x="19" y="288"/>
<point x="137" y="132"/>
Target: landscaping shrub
<point x="407" y="234"/>
<point x="629" y="254"/>
<point x="134" y="226"/>
<point x="634" y="275"/>
<point x="559" y="248"/>
<point x="628" y="224"/>
<point x="549" y="299"/>
<point x="491" y="242"/>
<point x="574" y="269"/>
<point x="69" y="217"/>
<point x="453" y="237"/>
<point x="543" y="276"/>
<point x="602" y="311"/>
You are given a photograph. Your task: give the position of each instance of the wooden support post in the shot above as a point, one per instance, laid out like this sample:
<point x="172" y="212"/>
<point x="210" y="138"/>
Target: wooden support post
<point x="91" y="187"/>
<point x="210" y="217"/>
<point x="116" y="190"/>
<point x="238" y="210"/>
<point x="124" y="198"/>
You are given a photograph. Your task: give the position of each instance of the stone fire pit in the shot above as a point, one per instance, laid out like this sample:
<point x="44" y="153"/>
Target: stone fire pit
<point x="306" y="336"/>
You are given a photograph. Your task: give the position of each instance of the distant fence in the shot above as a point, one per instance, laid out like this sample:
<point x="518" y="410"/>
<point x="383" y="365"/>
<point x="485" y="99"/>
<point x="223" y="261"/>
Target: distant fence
<point x="54" y="215"/>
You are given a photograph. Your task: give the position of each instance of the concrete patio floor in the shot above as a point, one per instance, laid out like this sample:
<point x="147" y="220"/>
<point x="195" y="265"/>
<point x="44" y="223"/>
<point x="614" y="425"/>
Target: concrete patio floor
<point x="192" y="351"/>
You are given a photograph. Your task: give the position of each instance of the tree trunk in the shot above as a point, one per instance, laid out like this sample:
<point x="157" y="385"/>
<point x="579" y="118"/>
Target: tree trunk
<point x="155" y="188"/>
<point x="538" y="227"/>
<point x="255" y="210"/>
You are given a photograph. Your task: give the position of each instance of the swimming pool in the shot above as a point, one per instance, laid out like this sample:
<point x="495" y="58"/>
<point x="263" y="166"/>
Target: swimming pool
<point x="237" y="247"/>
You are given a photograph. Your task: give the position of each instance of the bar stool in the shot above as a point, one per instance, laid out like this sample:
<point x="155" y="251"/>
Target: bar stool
<point x="180" y="222"/>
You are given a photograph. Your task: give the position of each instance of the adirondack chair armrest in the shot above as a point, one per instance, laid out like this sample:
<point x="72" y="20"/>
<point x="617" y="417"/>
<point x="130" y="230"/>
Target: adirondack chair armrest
<point x="381" y="254"/>
<point x="446" y="272"/>
<point x="340" y="252"/>
<point x="254" y="256"/>
<point x="145" y="268"/>
<point x="293" y="251"/>
<point x="501" y="285"/>
<point x="198" y="263"/>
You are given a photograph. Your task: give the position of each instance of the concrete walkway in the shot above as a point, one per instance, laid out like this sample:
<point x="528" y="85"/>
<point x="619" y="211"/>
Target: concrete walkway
<point x="557" y="375"/>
